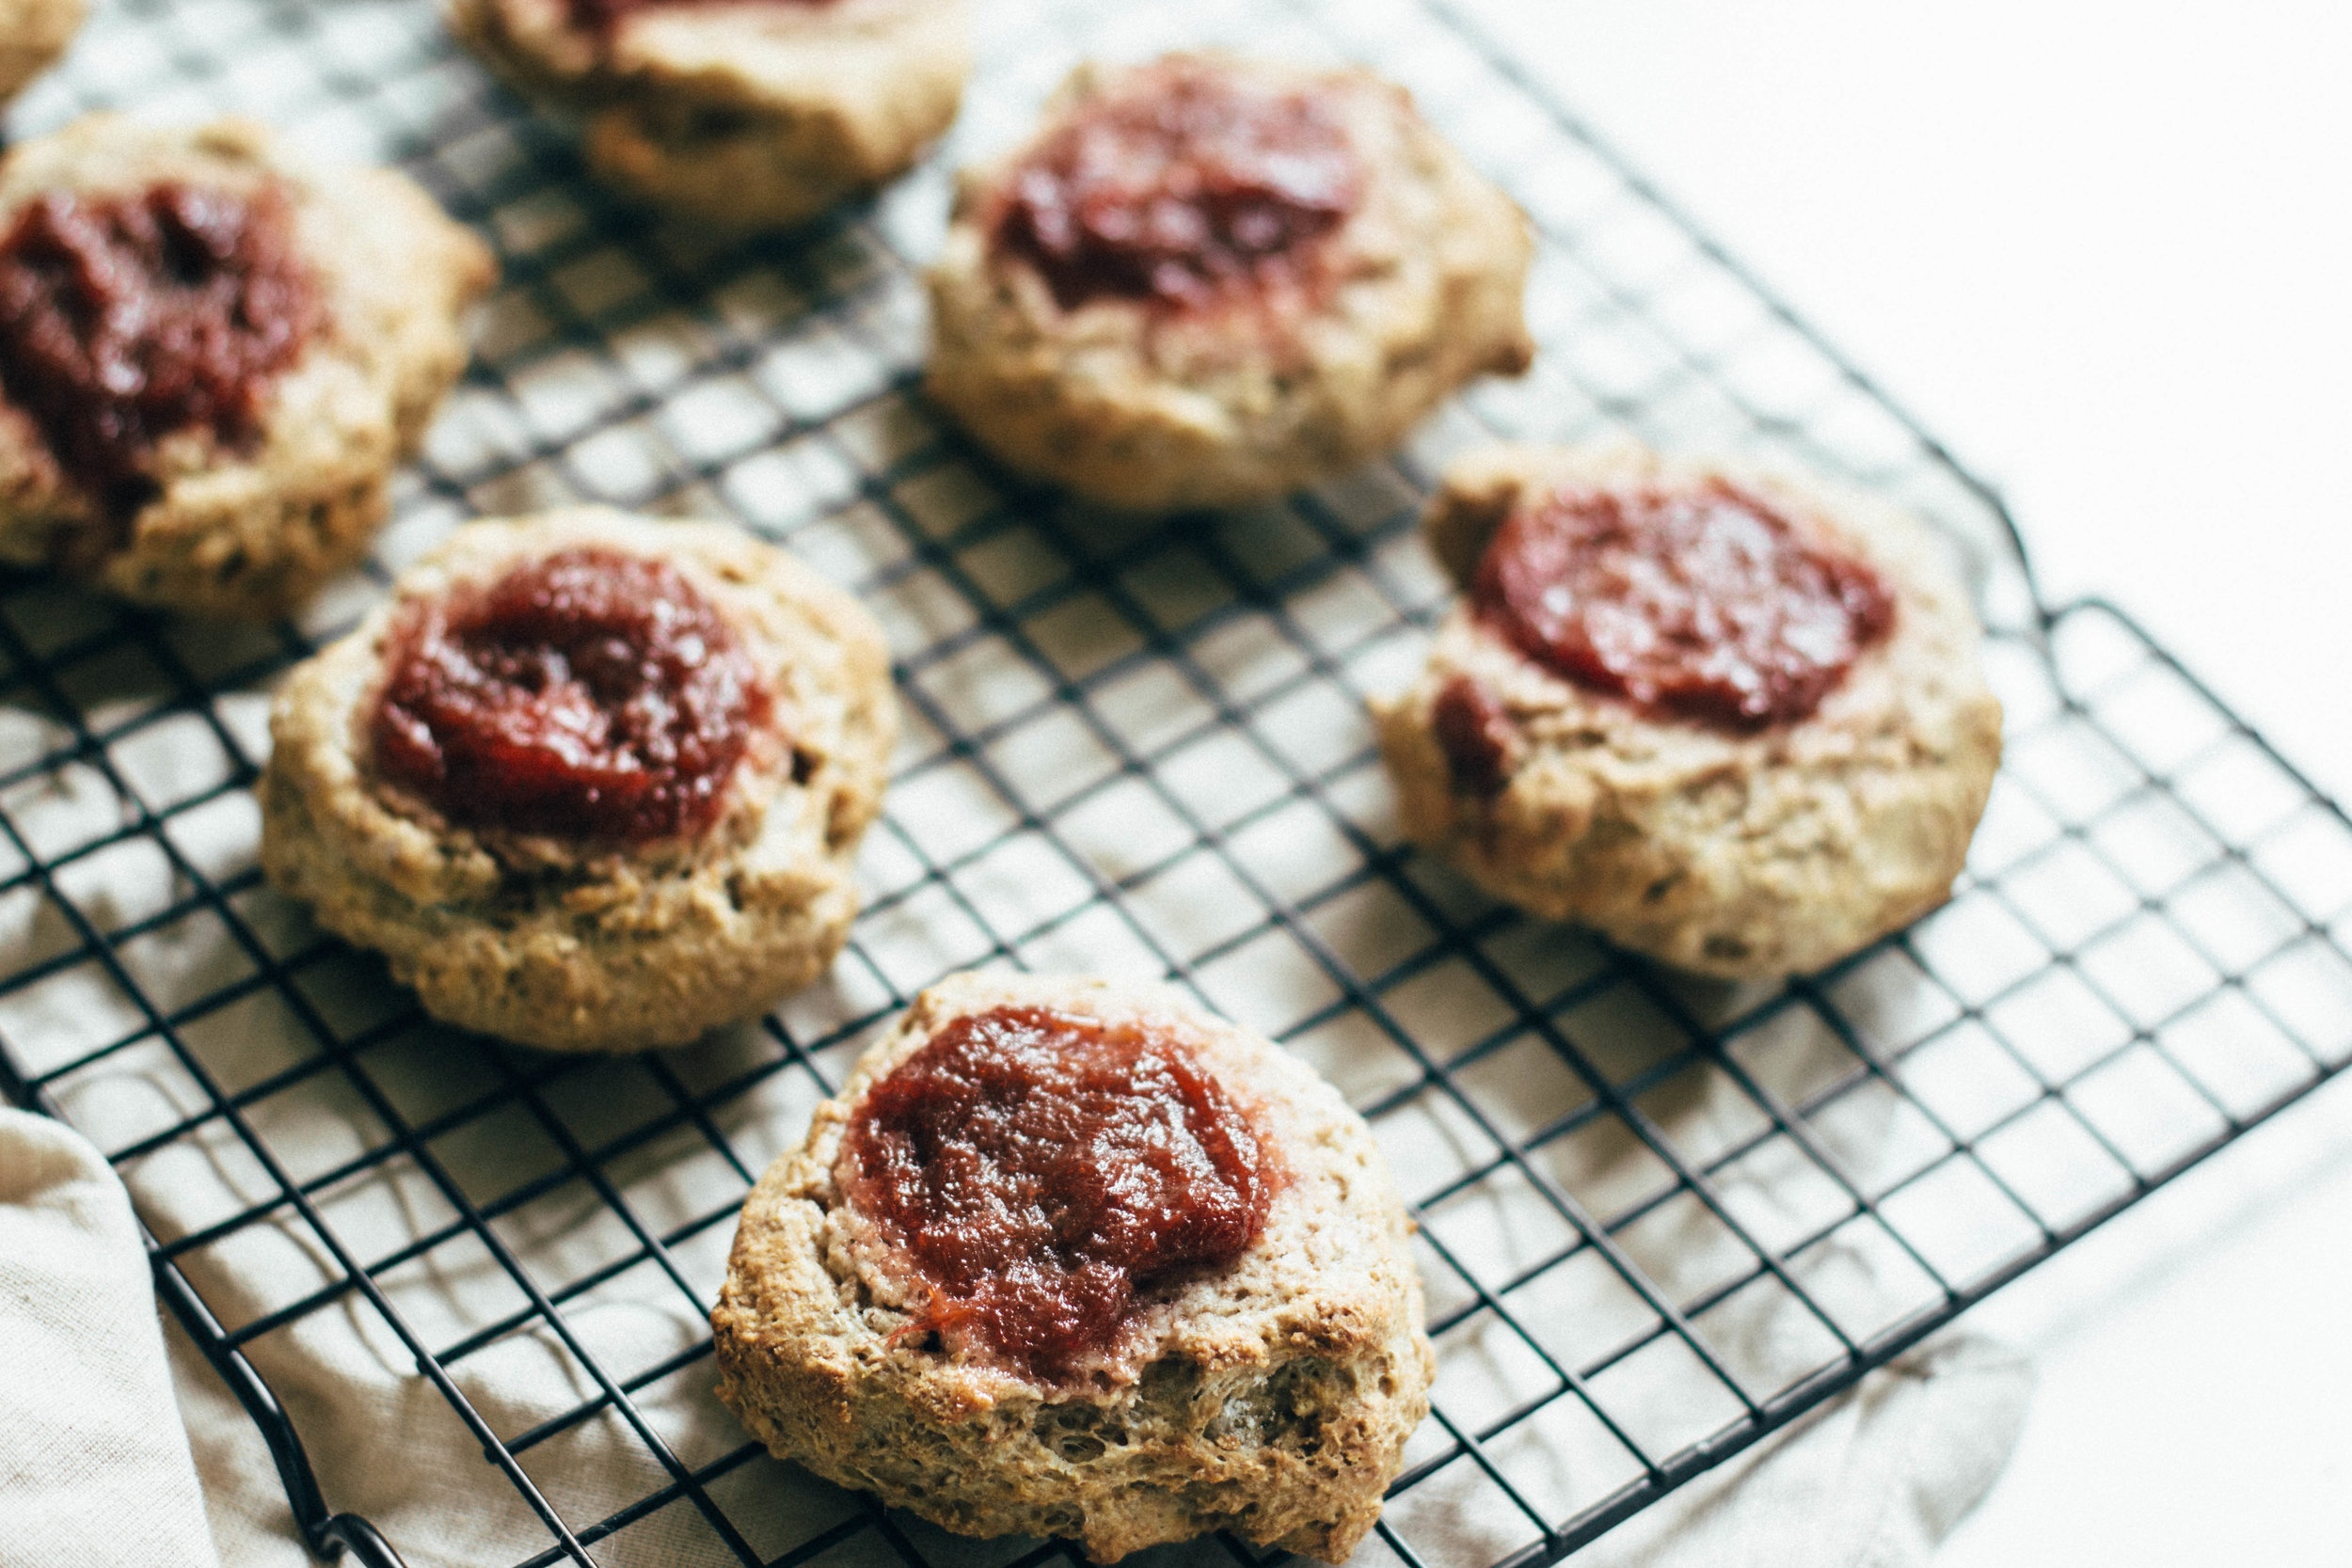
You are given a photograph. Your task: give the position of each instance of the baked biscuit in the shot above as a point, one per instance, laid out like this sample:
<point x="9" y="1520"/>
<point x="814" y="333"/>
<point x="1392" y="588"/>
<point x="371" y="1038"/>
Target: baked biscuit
<point x="33" y="34"/>
<point x="304" y="325"/>
<point x="746" y="114"/>
<point x="590" y="781"/>
<point x="1742" y="815"/>
<point x="1264" y="1383"/>
<point x="1209" y="280"/>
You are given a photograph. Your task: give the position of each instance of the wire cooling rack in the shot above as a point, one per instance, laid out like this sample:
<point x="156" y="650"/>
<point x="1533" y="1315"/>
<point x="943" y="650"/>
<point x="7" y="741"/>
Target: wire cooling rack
<point x="1659" y="1219"/>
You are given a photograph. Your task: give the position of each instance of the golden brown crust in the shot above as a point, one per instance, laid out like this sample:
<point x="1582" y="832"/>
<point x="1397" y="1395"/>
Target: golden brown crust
<point x="1157" y="416"/>
<point x="1272" y="1398"/>
<point x="743" y="117"/>
<point x="251" y="533"/>
<point x="539" y="940"/>
<point x="1738" y="855"/>
<point x="33" y="34"/>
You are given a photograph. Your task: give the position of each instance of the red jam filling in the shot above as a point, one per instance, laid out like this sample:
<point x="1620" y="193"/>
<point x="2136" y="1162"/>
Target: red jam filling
<point x="126" y="318"/>
<point x="1474" y="734"/>
<point x="1040" y="1169"/>
<point x="590" y="694"/>
<point x="1191" y="186"/>
<point x="602" y="16"/>
<point x="1699" y="602"/>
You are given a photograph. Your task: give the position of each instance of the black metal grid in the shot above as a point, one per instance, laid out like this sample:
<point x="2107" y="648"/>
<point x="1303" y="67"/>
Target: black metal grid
<point x="1661" y="1220"/>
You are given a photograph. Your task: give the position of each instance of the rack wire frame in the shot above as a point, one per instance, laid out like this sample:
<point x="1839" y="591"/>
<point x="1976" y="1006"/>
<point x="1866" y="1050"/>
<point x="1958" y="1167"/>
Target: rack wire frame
<point x="2147" y="950"/>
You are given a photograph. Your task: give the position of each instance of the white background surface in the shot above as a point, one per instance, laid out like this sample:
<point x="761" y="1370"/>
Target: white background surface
<point x="2102" y="250"/>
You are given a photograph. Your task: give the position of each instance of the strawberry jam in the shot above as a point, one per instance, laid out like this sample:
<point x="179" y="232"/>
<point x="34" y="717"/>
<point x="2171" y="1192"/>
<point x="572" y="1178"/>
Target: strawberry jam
<point x="591" y="694"/>
<point x="1474" y="733"/>
<point x="1698" y="601"/>
<point x="1190" y="184"/>
<point x="127" y="317"/>
<point x="1040" y="1169"/>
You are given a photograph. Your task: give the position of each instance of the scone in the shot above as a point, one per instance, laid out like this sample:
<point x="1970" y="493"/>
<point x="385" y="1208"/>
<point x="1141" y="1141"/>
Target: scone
<point x="1728" y="720"/>
<point x="1209" y="280"/>
<point x="212" y="355"/>
<point x="590" y="781"/>
<point x="1072" y="1258"/>
<point x="33" y="34"/>
<point x="745" y="114"/>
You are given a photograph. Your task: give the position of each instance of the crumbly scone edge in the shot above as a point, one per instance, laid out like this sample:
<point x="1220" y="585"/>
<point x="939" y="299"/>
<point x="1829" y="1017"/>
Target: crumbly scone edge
<point x="740" y="118"/>
<point x="1739" y="856"/>
<point x="1199" y="1421"/>
<point x="531" y="939"/>
<point x="1124" y="412"/>
<point x="250" y="535"/>
<point x="34" y="34"/>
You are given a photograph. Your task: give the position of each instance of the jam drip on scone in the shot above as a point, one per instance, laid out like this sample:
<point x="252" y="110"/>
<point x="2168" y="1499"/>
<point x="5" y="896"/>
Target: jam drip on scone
<point x="1474" y="733"/>
<point x="126" y="318"/>
<point x="601" y="16"/>
<point x="1040" y="1169"/>
<point x="591" y="694"/>
<point x="1696" y="601"/>
<point x="1190" y="185"/>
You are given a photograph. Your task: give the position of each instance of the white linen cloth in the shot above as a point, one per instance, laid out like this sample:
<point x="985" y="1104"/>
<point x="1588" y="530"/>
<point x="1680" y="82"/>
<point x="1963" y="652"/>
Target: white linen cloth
<point x="94" y="1470"/>
<point x="97" y="1472"/>
<point x="1873" y="1482"/>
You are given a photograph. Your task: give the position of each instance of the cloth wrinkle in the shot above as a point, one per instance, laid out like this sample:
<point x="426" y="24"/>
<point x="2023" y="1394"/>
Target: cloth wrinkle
<point x="94" y="1466"/>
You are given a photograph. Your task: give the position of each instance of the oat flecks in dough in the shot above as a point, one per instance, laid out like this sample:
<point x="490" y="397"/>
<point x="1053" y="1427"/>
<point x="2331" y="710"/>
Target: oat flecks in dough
<point x="739" y="116"/>
<point x="583" y="947"/>
<point x="1739" y="855"/>
<point x="33" y="34"/>
<point x="1120" y="403"/>
<point x="253" y="533"/>
<point x="1272" y="1398"/>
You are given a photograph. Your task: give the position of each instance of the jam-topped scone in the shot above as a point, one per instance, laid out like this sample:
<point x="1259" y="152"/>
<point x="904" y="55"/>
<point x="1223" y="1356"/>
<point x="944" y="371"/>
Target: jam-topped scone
<point x="743" y="114"/>
<point x="1075" y="1260"/>
<point x="1209" y="280"/>
<point x="33" y="34"/>
<point x="211" y="355"/>
<point x="590" y="781"/>
<point x="1727" y="719"/>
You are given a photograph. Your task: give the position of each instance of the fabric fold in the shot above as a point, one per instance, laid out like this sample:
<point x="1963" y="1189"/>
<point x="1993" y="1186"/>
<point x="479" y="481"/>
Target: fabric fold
<point x="1875" y="1480"/>
<point x="94" y="1463"/>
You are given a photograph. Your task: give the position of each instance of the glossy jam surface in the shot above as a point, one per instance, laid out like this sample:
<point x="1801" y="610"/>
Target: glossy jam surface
<point x="1697" y="601"/>
<point x="1188" y="186"/>
<point x="1041" y="1168"/>
<point x="1474" y="734"/>
<point x="126" y="318"/>
<point x="591" y="694"/>
<point x="603" y="16"/>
